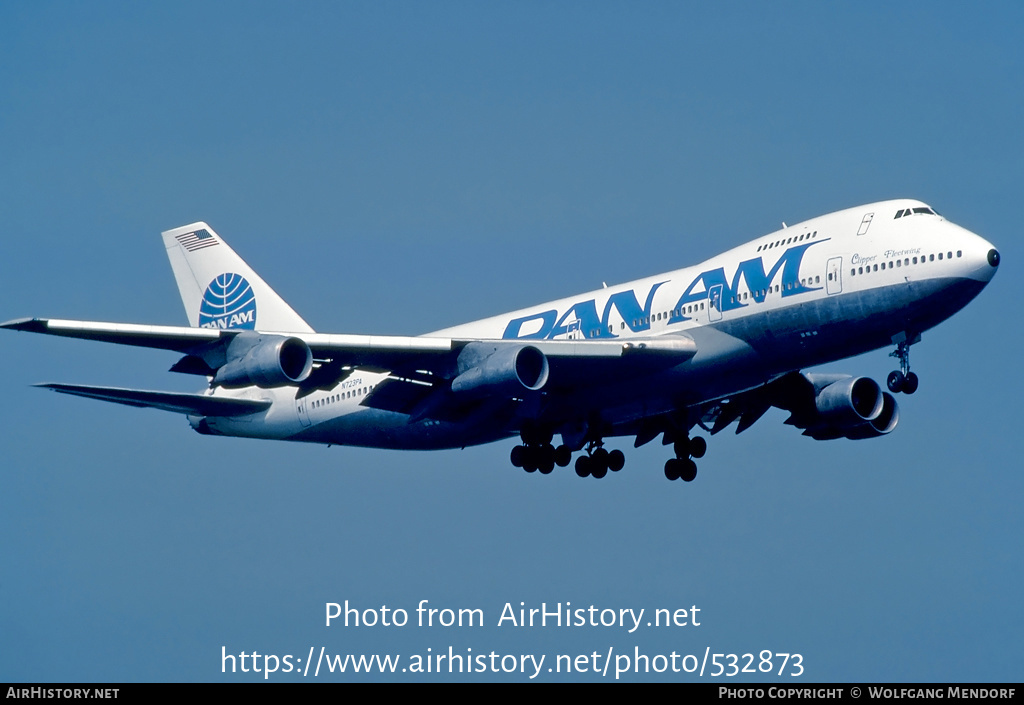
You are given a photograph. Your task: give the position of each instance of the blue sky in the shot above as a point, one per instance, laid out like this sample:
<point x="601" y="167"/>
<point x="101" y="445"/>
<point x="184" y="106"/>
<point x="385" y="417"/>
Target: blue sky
<point x="397" y="168"/>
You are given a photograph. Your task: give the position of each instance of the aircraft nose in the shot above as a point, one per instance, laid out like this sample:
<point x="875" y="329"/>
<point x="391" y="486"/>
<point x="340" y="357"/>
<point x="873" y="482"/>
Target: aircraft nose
<point x="984" y="261"/>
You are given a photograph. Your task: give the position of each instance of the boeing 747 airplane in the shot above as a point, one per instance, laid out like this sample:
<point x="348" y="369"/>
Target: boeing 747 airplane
<point x="700" y="347"/>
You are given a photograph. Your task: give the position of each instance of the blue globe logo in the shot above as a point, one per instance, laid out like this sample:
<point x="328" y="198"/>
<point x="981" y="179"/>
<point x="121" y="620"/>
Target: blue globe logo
<point x="229" y="302"/>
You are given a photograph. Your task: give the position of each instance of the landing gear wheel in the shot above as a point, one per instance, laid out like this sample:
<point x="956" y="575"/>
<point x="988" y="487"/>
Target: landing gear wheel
<point x="698" y="447"/>
<point x="616" y="460"/>
<point x="546" y="459"/>
<point x="599" y="470"/>
<point x="563" y="456"/>
<point x="517" y="456"/>
<point x="531" y="458"/>
<point x="583" y="465"/>
<point x="688" y="471"/>
<point x="896" y="381"/>
<point x="910" y="383"/>
<point x="672" y="469"/>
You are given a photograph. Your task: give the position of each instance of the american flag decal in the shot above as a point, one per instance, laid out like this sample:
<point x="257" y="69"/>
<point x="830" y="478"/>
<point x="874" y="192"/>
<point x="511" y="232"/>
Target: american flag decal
<point x="197" y="240"/>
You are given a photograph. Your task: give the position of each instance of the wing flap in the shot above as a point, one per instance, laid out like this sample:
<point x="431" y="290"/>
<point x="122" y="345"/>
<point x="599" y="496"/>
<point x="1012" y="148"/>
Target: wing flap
<point x="199" y="404"/>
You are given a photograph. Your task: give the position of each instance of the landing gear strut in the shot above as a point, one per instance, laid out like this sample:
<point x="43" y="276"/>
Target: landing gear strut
<point x="682" y="467"/>
<point x="902" y="380"/>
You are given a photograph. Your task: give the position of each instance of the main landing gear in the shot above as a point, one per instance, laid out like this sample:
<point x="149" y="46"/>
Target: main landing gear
<point x="598" y="461"/>
<point x="902" y="380"/>
<point x="537" y="453"/>
<point x="682" y="467"/>
<point x="540" y="456"/>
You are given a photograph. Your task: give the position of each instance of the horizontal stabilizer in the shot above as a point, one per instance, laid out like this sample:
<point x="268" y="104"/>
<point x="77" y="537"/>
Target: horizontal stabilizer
<point x="198" y="404"/>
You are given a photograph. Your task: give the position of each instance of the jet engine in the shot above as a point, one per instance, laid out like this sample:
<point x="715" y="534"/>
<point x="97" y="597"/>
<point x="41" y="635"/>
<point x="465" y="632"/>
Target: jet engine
<point x="505" y="369"/>
<point x="882" y="424"/>
<point x="851" y="407"/>
<point x="266" y="361"/>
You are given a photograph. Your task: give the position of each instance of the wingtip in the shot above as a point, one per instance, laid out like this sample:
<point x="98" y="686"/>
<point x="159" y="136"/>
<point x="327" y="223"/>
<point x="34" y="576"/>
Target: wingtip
<point x="33" y="325"/>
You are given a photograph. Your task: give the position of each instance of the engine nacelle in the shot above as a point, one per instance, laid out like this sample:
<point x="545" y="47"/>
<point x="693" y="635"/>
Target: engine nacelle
<point x="266" y="361"/>
<point x="849" y="402"/>
<point x="506" y="369"/>
<point x="850" y="407"/>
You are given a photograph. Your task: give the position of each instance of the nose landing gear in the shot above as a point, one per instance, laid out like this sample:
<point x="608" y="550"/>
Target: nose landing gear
<point x="903" y="380"/>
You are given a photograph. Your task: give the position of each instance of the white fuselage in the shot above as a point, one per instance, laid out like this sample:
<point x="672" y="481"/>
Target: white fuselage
<point x="814" y="292"/>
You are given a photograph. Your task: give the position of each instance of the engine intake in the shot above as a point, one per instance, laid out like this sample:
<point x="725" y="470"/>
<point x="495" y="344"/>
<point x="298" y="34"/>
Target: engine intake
<point x="882" y="424"/>
<point x="850" y="401"/>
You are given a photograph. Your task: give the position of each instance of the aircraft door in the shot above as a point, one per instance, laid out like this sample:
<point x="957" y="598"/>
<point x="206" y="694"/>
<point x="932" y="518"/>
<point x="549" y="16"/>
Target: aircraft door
<point x="834" y="276"/>
<point x="865" y="224"/>
<point x="301" y="409"/>
<point x="715" y="303"/>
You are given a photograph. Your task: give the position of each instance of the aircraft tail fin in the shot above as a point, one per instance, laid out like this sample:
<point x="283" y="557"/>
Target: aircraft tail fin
<point x="219" y="290"/>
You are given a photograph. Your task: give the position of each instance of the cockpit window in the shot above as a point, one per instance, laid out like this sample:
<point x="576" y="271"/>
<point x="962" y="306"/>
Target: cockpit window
<point x="924" y="210"/>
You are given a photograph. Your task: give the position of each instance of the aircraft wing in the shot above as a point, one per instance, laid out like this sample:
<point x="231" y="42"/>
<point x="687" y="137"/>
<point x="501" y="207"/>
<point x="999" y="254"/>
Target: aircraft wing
<point x="423" y="369"/>
<point x="569" y="357"/>
<point x="355" y="349"/>
<point x="176" y="338"/>
<point x="167" y="401"/>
